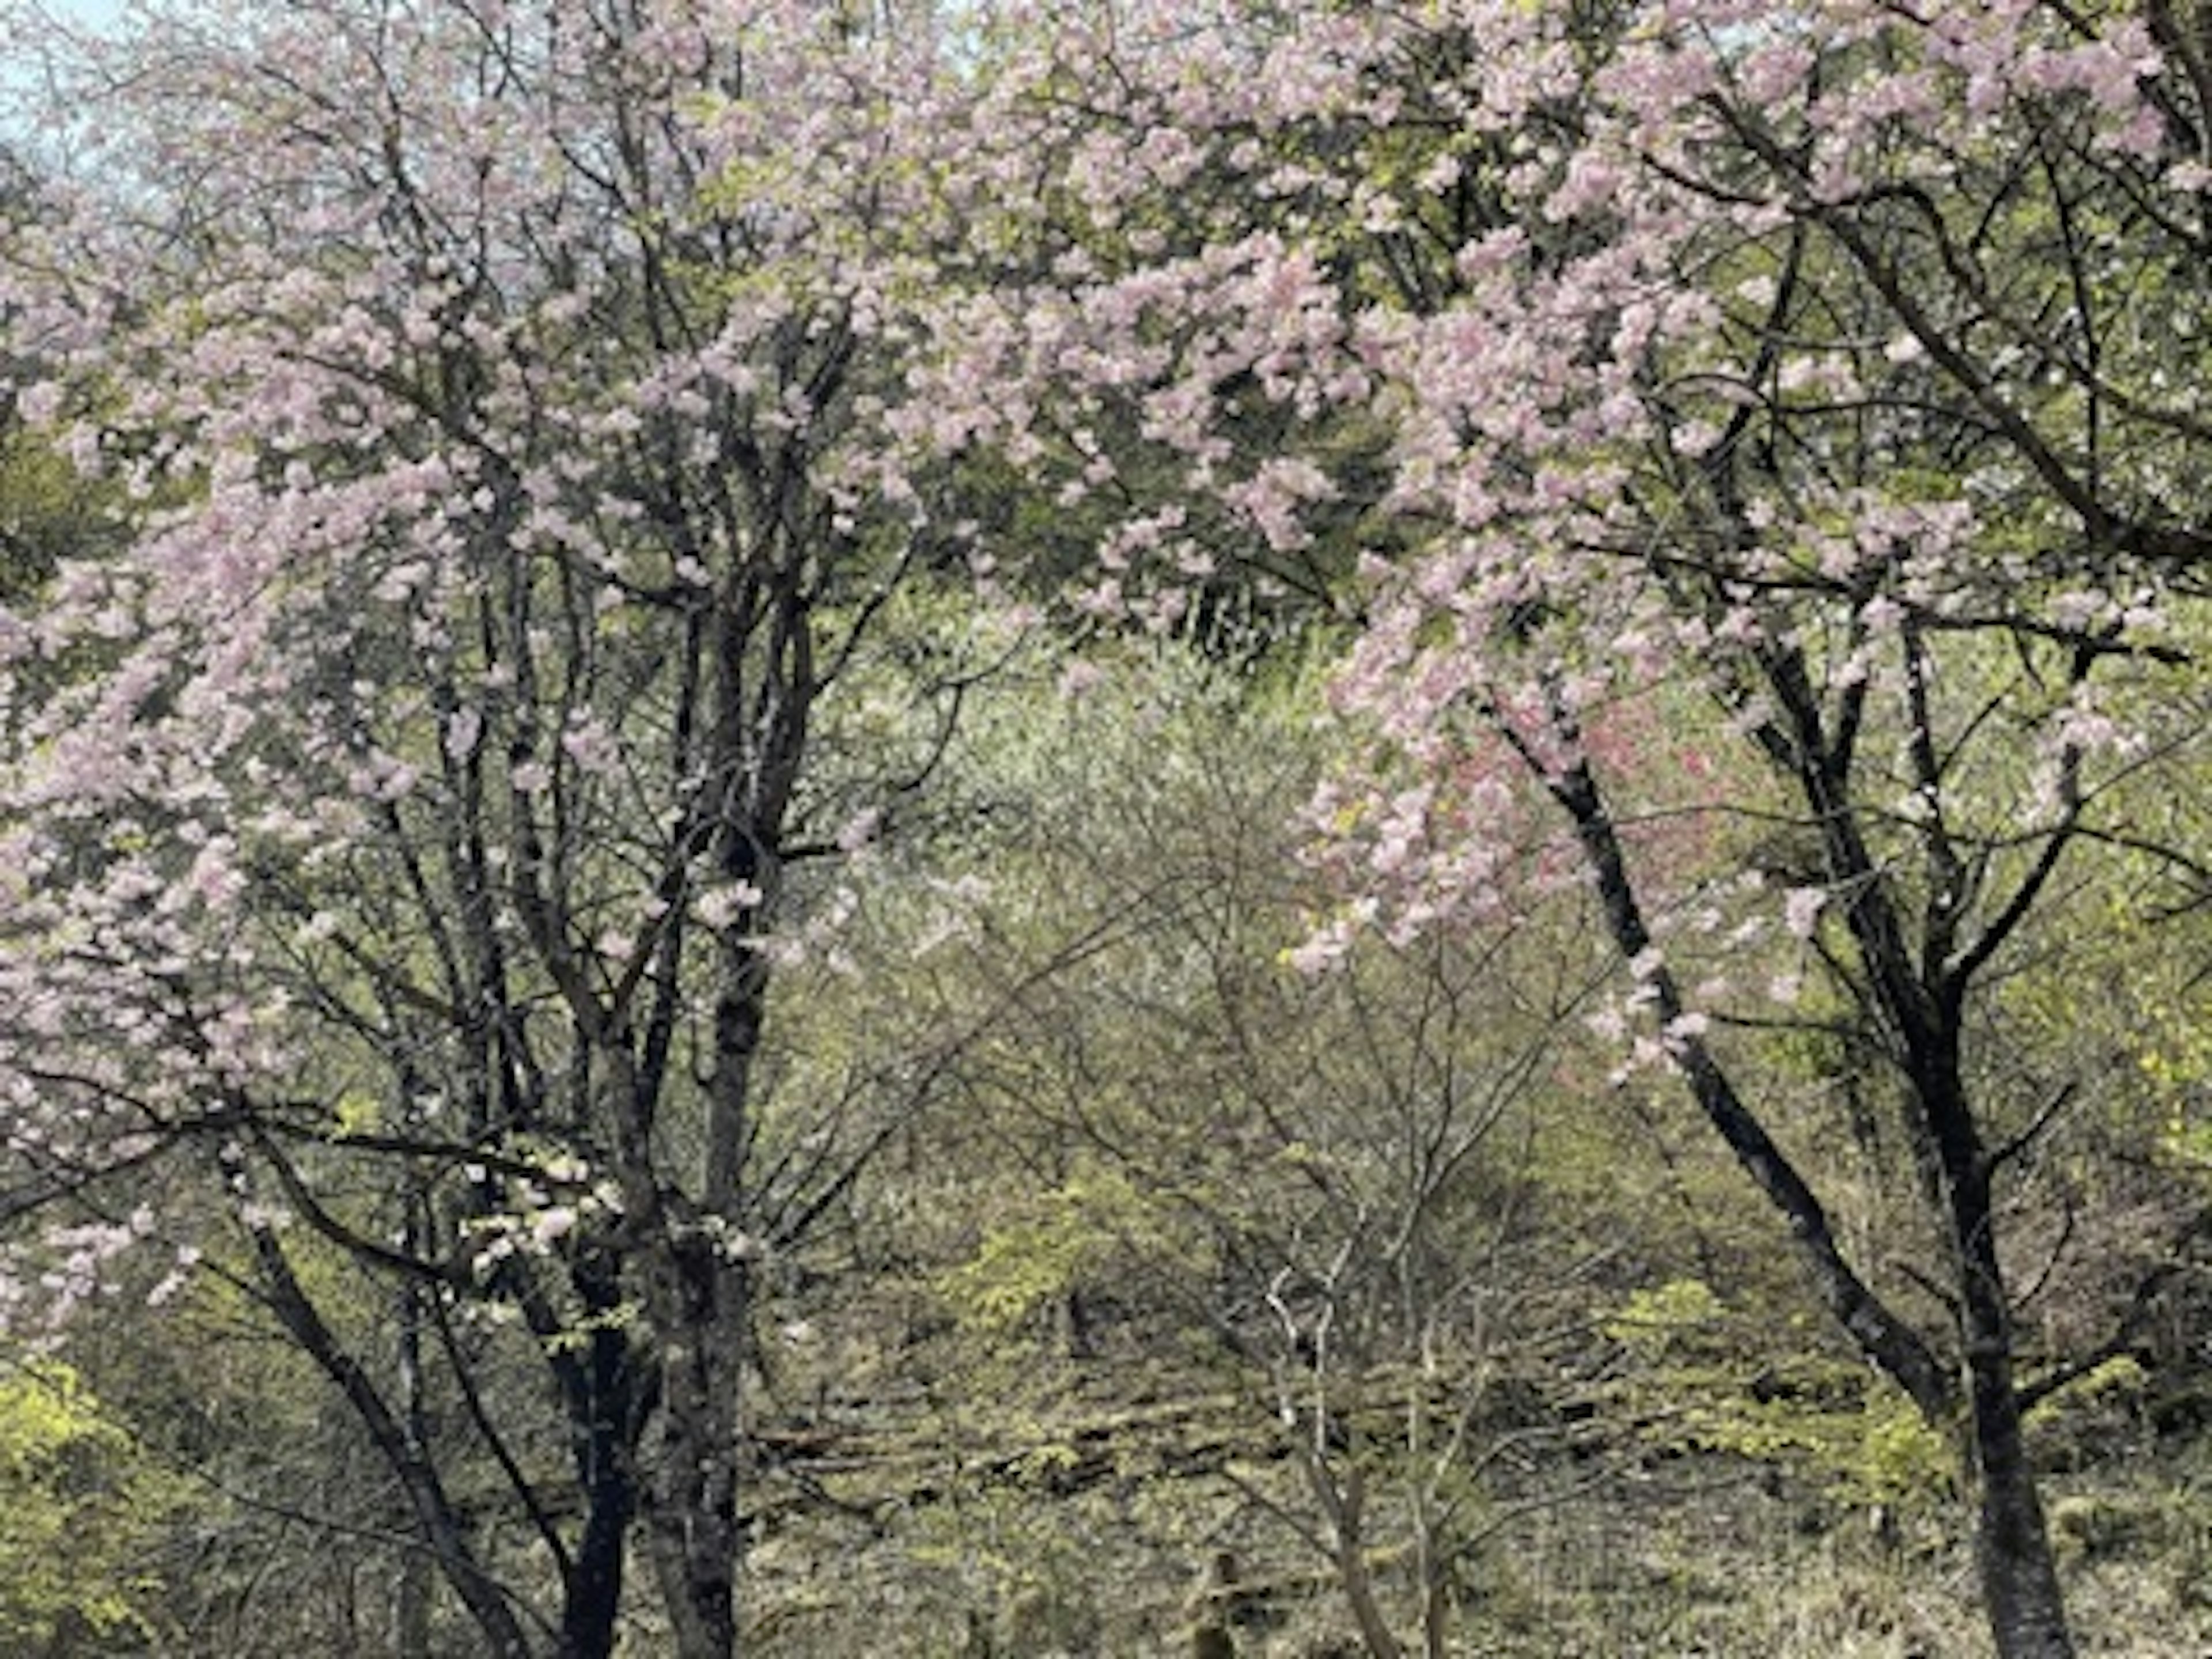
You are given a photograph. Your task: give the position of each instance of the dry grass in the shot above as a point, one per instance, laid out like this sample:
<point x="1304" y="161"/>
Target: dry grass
<point x="1690" y="1564"/>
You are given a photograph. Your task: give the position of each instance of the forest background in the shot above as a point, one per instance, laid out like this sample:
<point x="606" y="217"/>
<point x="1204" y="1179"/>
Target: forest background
<point x="1104" y="828"/>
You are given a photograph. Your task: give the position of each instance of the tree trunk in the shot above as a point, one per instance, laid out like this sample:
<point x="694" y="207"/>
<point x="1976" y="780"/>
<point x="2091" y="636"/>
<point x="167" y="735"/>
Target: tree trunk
<point x="410" y="1591"/>
<point x="700" y="1293"/>
<point x="594" y="1598"/>
<point x="603" y="1431"/>
<point x="435" y="1516"/>
<point x="1344" y="1502"/>
<point x="2020" y="1592"/>
<point x="2019" y="1579"/>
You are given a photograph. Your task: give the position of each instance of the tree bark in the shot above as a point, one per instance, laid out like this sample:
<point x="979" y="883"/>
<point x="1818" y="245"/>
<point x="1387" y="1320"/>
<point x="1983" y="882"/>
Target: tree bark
<point x="485" y="1598"/>
<point x="1887" y="1339"/>
<point x="2021" y="1591"/>
<point x="1344" y="1502"/>
<point x="410" y="1590"/>
<point x="696" y="1295"/>
<point x="604" y="1413"/>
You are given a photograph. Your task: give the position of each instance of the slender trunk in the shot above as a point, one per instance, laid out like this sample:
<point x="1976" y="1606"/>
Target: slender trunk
<point x="693" y="1288"/>
<point x="1344" y="1501"/>
<point x="2020" y="1592"/>
<point x="692" y="1252"/>
<point x="594" y="1598"/>
<point x="699" y="1288"/>
<point x="1435" y="1606"/>
<point x="410" y="1593"/>
<point x="700" y="1293"/>
<point x="603" y="1437"/>
<point x="1886" y="1337"/>
<point x="697" y="1292"/>
<point x="436" y="1515"/>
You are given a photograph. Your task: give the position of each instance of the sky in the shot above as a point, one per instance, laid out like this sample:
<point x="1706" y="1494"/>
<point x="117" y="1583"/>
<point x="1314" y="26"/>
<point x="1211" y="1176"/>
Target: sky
<point x="96" y="13"/>
<point x="17" y="69"/>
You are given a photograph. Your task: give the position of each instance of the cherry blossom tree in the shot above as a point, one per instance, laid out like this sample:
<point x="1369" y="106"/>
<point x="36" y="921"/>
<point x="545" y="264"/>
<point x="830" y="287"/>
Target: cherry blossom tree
<point x="406" y="821"/>
<point x="1746" y="456"/>
<point x="1812" y="387"/>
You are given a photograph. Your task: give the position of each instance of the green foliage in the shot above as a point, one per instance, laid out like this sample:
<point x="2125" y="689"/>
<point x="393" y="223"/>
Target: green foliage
<point x="2119" y="1389"/>
<point x="48" y="511"/>
<point x="1702" y="1382"/>
<point x="1051" y="1243"/>
<point x="1652" y="1321"/>
<point x="78" y="1509"/>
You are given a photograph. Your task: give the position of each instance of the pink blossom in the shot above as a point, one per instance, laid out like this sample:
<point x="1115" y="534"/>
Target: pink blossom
<point x="1800" y="910"/>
